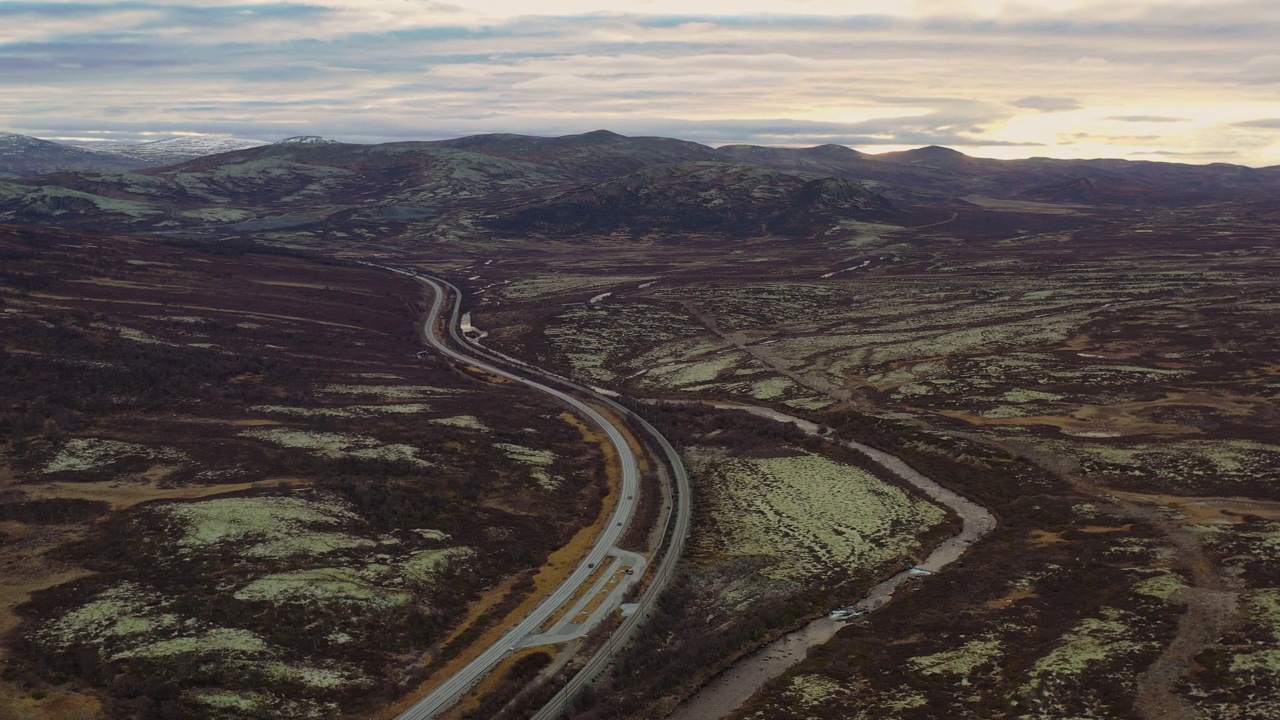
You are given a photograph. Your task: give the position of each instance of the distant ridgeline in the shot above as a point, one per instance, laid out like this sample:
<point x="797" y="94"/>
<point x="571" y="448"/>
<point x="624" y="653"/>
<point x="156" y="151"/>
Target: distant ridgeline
<point x="599" y="182"/>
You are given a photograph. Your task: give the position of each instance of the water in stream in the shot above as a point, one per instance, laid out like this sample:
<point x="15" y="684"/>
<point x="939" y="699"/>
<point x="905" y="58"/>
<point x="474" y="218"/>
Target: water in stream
<point x="731" y="689"/>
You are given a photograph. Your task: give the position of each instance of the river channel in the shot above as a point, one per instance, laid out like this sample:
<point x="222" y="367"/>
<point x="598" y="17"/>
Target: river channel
<point x="733" y="687"/>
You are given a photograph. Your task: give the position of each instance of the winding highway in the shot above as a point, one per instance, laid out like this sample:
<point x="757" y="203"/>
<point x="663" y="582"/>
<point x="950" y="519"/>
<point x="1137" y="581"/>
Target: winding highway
<point x="977" y="521"/>
<point x="450" y="691"/>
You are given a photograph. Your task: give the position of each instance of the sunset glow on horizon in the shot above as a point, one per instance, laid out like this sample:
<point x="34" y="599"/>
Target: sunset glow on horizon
<point x="1179" y="80"/>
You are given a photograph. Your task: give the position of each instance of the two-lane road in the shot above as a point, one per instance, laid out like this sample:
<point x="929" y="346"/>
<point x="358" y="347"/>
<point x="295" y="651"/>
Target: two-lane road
<point x="451" y="690"/>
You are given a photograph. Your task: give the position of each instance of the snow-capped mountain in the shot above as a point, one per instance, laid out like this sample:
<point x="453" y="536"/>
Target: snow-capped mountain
<point x="14" y="144"/>
<point x="307" y="140"/>
<point x="171" y="151"/>
<point x="24" y="155"/>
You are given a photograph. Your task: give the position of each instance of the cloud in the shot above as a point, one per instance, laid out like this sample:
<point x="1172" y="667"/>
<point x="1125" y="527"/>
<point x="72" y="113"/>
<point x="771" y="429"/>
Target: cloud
<point x="1172" y="153"/>
<point x="1047" y="104"/>
<point x="1265" y="123"/>
<point x="940" y="128"/>
<point x="858" y="72"/>
<point x="1147" y="119"/>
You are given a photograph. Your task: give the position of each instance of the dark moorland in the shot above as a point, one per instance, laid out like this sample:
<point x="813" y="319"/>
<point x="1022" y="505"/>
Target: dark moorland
<point x="225" y="472"/>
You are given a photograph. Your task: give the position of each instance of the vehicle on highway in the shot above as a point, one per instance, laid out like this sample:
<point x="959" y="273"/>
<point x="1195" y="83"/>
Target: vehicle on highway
<point x="678" y="523"/>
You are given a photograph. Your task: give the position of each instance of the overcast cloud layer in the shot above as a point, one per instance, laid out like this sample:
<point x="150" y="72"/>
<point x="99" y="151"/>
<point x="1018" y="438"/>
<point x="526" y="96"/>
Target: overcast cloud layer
<point x="1185" y="80"/>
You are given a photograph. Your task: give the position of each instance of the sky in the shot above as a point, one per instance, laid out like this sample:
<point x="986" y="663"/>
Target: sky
<point x="1178" y="80"/>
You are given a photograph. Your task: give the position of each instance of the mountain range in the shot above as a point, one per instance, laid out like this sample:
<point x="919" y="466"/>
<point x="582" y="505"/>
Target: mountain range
<point x="172" y="151"/>
<point x="22" y="155"/>
<point x="598" y="182"/>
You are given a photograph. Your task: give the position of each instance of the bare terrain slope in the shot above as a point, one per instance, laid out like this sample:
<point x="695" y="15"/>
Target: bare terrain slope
<point x="1084" y="348"/>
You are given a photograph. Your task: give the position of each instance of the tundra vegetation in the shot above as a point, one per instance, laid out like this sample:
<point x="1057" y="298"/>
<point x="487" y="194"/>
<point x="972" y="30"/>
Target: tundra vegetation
<point x="259" y="503"/>
<point x="1093" y="361"/>
<point x="785" y="527"/>
<point x="1077" y="378"/>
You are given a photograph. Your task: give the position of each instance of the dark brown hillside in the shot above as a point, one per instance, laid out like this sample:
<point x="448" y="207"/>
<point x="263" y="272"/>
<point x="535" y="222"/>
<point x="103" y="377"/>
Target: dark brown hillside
<point x="322" y="193"/>
<point x="739" y="200"/>
<point x="1091" y="191"/>
<point x="22" y="155"/>
<point x="599" y="154"/>
<point x="237" y="450"/>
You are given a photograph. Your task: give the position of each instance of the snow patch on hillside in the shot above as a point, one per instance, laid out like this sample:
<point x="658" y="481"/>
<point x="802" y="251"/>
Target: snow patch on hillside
<point x="307" y="140"/>
<point x="178" y="149"/>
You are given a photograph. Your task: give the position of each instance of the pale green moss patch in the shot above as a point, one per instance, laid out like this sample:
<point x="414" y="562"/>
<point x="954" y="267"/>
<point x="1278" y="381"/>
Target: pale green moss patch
<point x="1186" y="463"/>
<point x="680" y="375"/>
<point x="226" y="642"/>
<point x="809" y="402"/>
<point x="338" y="445"/>
<point x="312" y="543"/>
<point x="909" y="374"/>
<point x="602" y="342"/>
<point x="771" y="389"/>
<point x="809" y="691"/>
<point x="1096" y="642"/>
<point x="425" y="566"/>
<point x="84" y="454"/>
<point x="1267" y="661"/>
<point x="271" y="521"/>
<point x="960" y="661"/>
<point x="526" y="455"/>
<point x="914" y="390"/>
<point x="116" y="614"/>
<point x="809" y="514"/>
<point x="313" y="677"/>
<point x="349" y="411"/>
<point x="1026" y="396"/>
<point x="321" y="585"/>
<point x="556" y="284"/>
<point x="1004" y="411"/>
<point x="1163" y="586"/>
<point x="545" y="480"/>
<point x="228" y="701"/>
<point x="389" y="392"/>
<point x="905" y="701"/>
<point x="470" y="422"/>
<point x="1265" y="606"/>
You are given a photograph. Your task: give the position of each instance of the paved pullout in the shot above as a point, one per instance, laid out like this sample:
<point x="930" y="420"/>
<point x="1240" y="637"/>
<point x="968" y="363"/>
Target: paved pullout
<point x="677" y="524"/>
<point x="623" y="570"/>
<point x="451" y="690"/>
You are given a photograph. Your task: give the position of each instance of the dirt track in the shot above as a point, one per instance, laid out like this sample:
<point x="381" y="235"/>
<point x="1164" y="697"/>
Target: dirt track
<point x="1209" y="603"/>
<point x="1209" y="606"/>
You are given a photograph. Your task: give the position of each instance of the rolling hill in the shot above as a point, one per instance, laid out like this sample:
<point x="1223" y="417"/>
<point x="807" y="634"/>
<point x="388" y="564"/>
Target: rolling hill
<point x="593" y="182"/>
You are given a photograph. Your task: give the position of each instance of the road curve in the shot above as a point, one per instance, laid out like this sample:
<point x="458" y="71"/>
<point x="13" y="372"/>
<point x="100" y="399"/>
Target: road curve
<point x="453" y="689"/>
<point x="662" y="577"/>
<point x="677" y="523"/>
